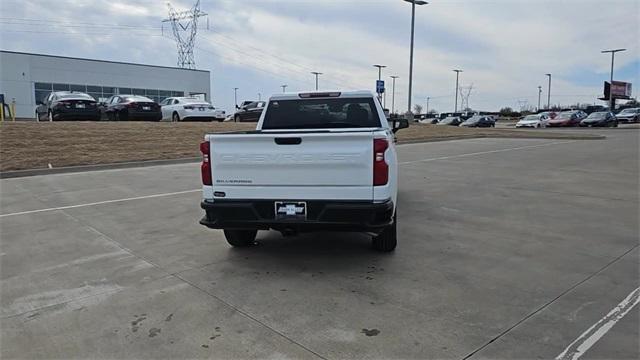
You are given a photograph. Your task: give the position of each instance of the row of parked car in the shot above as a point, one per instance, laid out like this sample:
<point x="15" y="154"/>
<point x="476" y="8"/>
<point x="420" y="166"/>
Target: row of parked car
<point x="68" y="105"/>
<point x="580" y="118"/>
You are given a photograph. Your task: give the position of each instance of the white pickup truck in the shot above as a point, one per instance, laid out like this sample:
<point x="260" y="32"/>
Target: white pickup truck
<point x="317" y="161"/>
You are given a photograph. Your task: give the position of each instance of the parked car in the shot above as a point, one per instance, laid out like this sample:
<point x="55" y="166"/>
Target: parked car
<point x="131" y="107"/>
<point x="629" y="115"/>
<point x="287" y="178"/>
<point x="68" y="105"/>
<point x="451" y="120"/>
<point x="533" y="121"/>
<point x="189" y="108"/>
<point x="249" y="112"/>
<point x="479" y="121"/>
<point x="600" y="118"/>
<point x="568" y="118"/>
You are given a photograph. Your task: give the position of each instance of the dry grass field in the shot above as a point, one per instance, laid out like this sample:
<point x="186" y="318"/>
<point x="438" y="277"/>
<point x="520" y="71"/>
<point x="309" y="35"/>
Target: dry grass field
<point x="30" y="145"/>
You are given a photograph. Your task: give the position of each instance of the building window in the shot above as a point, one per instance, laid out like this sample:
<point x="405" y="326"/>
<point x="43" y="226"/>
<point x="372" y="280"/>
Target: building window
<point x="124" y="91"/>
<point x="79" y="88"/>
<point x="138" y="92"/>
<point x="60" y="87"/>
<point x="44" y="86"/>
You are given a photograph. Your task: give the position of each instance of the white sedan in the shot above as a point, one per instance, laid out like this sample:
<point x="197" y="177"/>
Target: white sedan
<point x="189" y="108"/>
<point x="534" y="121"/>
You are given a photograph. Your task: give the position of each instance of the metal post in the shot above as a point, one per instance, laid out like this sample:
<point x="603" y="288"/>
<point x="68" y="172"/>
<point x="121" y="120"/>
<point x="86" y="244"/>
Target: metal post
<point x="549" y="93"/>
<point x="427" y="105"/>
<point x="316" y="74"/>
<point x="235" y="97"/>
<point x="457" y="71"/>
<point x="259" y="96"/>
<point x="539" y="93"/>
<point x="413" y="20"/>
<point x="393" y="94"/>
<point x="380" y="78"/>
<point x="283" y="87"/>
<point x="612" y="100"/>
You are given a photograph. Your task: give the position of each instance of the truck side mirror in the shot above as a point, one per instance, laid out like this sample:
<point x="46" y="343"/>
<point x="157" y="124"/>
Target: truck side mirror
<point x="399" y="124"/>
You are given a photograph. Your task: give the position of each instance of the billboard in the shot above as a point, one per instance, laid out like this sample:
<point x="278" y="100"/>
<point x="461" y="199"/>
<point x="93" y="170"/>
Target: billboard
<point x="619" y="90"/>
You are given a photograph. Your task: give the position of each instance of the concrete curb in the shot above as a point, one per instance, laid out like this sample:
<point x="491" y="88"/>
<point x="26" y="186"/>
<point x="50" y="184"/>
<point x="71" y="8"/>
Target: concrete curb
<point x="145" y="163"/>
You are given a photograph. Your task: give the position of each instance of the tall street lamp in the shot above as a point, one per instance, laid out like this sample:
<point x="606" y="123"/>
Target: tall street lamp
<point x="235" y="97"/>
<point x="413" y="20"/>
<point x="380" y="67"/>
<point x="393" y="93"/>
<point x="612" y="100"/>
<point x="539" y="93"/>
<point x="457" y="71"/>
<point x="316" y="74"/>
<point x="259" y="96"/>
<point x="427" y="105"/>
<point x="549" y="93"/>
<point x="283" y="87"/>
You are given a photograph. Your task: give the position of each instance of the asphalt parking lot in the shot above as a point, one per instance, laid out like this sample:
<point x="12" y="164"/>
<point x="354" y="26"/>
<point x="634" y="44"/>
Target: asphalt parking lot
<point x="508" y="248"/>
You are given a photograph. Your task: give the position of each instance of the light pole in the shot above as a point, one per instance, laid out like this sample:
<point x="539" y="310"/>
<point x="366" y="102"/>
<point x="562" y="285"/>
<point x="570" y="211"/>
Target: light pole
<point x="457" y="71"/>
<point x="413" y="20"/>
<point x="393" y="93"/>
<point x="612" y="100"/>
<point x="259" y="96"/>
<point x="380" y="67"/>
<point x="283" y="87"/>
<point x="549" y="93"/>
<point x="235" y="97"/>
<point x="316" y="74"/>
<point x="427" y="105"/>
<point x="539" y="93"/>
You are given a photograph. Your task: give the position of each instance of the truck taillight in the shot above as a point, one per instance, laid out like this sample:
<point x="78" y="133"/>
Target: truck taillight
<point x="380" y="166"/>
<point x="205" y="167"/>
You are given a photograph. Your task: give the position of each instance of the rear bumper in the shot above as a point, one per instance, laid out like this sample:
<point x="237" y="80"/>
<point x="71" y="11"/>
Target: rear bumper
<point x="76" y="114"/>
<point x="365" y="216"/>
<point x="202" y="118"/>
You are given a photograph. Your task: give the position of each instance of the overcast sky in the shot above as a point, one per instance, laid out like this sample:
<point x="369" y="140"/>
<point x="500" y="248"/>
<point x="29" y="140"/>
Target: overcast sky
<point x="504" y="46"/>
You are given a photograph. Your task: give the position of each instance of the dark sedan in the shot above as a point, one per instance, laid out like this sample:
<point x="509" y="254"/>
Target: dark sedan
<point x="131" y="107"/>
<point x="479" y="121"/>
<point x="250" y="112"/>
<point x="66" y="105"/>
<point x="601" y="118"/>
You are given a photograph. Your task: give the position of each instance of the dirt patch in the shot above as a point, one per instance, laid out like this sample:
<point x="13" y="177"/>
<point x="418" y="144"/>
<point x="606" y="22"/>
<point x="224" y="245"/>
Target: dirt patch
<point x="41" y="145"/>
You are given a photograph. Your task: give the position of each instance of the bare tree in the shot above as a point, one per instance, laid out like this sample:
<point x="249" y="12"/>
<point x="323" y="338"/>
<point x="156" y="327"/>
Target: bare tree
<point x="417" y="109"/>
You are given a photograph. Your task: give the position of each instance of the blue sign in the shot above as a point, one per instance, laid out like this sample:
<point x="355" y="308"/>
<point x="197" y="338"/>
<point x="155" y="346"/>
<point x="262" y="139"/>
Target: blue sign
<point x="380" y="86"/>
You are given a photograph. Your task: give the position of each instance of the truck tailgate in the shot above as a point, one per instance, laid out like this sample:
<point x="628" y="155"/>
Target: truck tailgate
<point x="312" y="165"/>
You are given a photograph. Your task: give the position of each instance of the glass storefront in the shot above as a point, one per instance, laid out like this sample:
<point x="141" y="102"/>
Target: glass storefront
<point x="101" y="93"/>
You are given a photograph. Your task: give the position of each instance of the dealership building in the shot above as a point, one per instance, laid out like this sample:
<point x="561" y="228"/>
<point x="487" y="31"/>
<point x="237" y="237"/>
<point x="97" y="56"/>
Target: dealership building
<point x="28" y="78"/>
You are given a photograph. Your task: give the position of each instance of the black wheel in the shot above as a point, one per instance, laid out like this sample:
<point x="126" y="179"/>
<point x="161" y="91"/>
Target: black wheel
<point x="175" y="117"/>
<point x="50" y="115"/>
<point x="37" y="116"/>
<point x="615" y="124"/>
<point x="116" y="116"/>
<point x="240" y="238"/>
<point x="236" y="118"/>
<point x="387" y="240"/>
<point x="121" y="115"/>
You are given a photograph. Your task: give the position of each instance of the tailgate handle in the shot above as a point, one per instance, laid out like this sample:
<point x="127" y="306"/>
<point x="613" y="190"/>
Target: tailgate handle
<point x="288" y="141"/>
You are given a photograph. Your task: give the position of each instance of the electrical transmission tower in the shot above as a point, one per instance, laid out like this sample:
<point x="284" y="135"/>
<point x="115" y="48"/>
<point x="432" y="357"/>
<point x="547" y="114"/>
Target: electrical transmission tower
<point x="465" y="92"/>
<point x="185" y="28"/>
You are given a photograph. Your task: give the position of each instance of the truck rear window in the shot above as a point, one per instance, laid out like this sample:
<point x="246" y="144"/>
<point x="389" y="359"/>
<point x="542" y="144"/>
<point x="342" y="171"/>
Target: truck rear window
<point x="321" y="113"/>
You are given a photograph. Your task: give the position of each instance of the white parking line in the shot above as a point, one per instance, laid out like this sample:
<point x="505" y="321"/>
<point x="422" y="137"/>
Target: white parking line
<point x="588" y="338"/>
<point x="486" y="152"/>
<point x="99" y="203"/>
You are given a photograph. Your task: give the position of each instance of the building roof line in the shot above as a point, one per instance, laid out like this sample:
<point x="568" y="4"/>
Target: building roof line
<point x="103" y="61"/>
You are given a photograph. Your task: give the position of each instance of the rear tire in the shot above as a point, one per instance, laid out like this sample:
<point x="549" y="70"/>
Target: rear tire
<point x="50" y="116"/>
<point x="240" y="238"/>
<point x="175" y="117"/>
<point x="387" y="240"/>
<point x="236" y="118"/>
